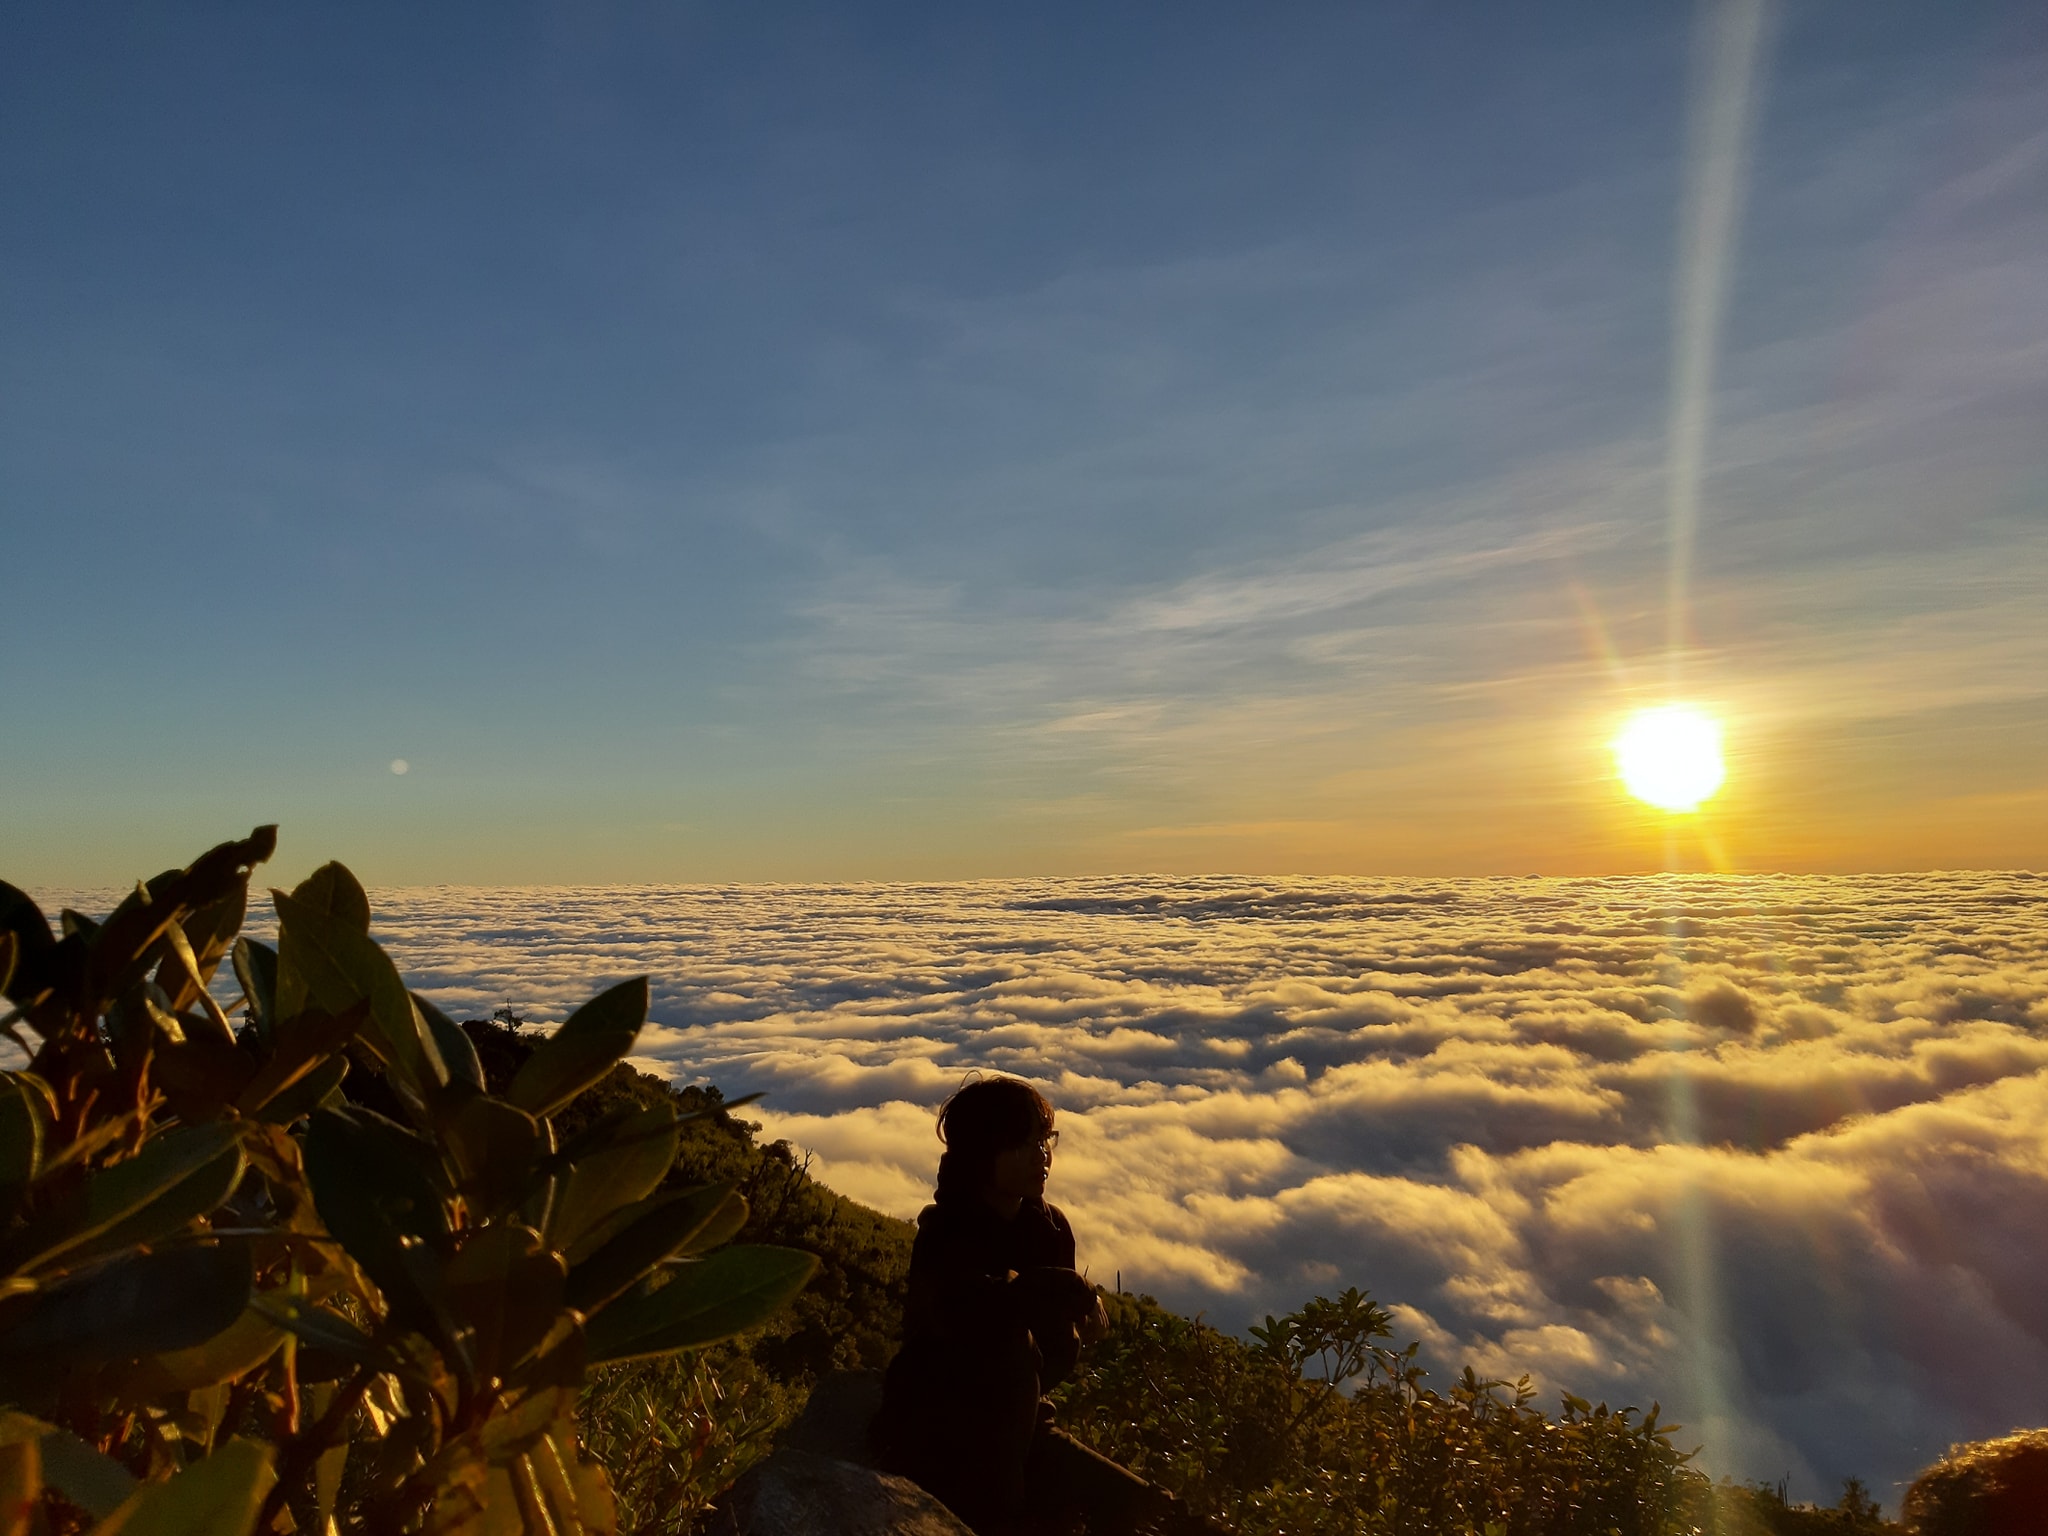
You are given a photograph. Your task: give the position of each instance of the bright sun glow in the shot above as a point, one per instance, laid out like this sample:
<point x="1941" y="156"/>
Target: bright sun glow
<point x="1670" y="756"/>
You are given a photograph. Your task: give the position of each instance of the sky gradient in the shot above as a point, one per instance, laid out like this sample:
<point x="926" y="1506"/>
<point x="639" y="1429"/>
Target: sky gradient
<point x="704" y="443"/>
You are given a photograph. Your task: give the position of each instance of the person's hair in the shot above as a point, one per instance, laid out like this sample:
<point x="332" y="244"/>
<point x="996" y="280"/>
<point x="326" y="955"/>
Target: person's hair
<point x="985" y="1117"/>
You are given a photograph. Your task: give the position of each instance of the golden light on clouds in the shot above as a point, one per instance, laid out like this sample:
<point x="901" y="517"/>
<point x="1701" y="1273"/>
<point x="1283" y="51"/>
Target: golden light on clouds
<point x="1670" y="756"/>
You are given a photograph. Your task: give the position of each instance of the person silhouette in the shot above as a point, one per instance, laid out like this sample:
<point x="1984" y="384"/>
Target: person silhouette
<point x="997" y="1315"/>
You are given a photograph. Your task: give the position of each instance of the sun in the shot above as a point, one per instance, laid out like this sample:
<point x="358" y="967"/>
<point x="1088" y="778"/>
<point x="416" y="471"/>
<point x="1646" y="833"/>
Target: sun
<point x="1670" y="756"/>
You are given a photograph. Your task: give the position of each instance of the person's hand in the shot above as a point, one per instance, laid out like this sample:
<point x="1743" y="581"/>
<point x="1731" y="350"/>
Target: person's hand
<point x="1094" y="1324"/>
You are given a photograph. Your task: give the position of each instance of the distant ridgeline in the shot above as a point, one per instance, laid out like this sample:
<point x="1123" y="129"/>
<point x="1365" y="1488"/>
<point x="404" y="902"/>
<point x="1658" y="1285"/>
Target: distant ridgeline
<point x="1255" y="1432"/>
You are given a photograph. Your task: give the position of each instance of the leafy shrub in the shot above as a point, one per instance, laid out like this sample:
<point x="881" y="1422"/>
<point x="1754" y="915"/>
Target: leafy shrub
<point x="674" y="1432"/>
<point x="315" y="1274"/>
<point x="1256" y="1440"/>
<point x="850" y="1315"/>
<point x="1762" y="1509"/>
<point x="1983" y="1488"/>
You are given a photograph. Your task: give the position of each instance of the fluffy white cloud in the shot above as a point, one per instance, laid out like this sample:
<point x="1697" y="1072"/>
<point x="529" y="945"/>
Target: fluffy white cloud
<point x="1773" y="1150"/>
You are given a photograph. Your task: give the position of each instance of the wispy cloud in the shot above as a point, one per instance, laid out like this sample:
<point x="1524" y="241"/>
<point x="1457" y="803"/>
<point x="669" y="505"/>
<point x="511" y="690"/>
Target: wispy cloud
<point x="1865" y="548"/>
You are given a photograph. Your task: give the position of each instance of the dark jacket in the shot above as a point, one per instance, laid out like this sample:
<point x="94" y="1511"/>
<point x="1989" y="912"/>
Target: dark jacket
<point x="990" y="1322"/>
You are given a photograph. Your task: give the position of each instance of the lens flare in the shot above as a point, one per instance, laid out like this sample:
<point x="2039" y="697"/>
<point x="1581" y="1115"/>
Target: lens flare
<point x="1670" y="756"/>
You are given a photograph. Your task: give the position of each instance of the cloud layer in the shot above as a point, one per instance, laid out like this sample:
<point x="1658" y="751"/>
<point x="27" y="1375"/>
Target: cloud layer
<point x="1773" y="1150"/>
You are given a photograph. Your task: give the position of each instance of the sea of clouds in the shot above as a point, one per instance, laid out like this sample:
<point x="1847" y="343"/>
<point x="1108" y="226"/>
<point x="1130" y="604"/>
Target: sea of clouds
<point x="1772" y="1150"/>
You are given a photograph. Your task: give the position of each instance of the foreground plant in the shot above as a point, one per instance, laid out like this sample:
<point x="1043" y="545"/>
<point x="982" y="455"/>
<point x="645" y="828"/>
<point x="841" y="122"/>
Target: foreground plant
<point x="309" y="1274"/>
<point x="675" y="1433"/>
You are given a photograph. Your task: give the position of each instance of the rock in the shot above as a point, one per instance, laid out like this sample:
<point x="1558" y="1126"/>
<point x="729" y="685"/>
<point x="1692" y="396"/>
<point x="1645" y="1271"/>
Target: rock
<point x="801" y="1493"/>
<point x="822" y="1481"/>
<point x="835" y="1421"/>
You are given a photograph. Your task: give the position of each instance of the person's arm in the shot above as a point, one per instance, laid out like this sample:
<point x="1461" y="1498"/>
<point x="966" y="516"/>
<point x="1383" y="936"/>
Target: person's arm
<point x="1094" y="1328"/>
<point x="953" y="1288"/>
<point x="956" y="1293"/>
<point x="1058" y="1305"/>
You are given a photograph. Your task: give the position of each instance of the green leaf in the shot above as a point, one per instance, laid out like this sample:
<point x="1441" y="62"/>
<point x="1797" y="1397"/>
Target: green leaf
<point x="202" y="1074"/>
<point x="137" y="1023"/>
<point x="139" y="1304"/>
<point x="126" y="945"/>
<point x="325" y="962"/>
<point x="710" y="1299"/>
<point x="589" y="1044"/>
<point x="657" y="1229"/>
<point x="332" y="1462"/>
<point x="472" y="1481"/>
<point x="506" y="1434"/>
<point x="620" y="1161"/>
<point x="494" y="1147"/>
<point x="334" y="892"/>
<point x="220" y="1496"/>
<point x="236" y="1350"/>
<point x="29" y="928"/>
<point x="558" y="1360"/>
<point x="309" y="1093"/>
<point x="375" y="1187"/>
<point x="256" y="969"/>
<point x="373" y="1180"/>
<point x="578" y="1492"/>
<point x="537" y="1199"/>
<point x="303" y="1043"/>
<point x="21" y="1141"/>
<point x="21" y="1484"/>
<point x="24" y="919"/>
<point x="456" y="1048"/>
<point x="318" y="1326"/>
<point x="21" y="1473"/>
<point x="177" y="1177"/>
<point x="505" y="1284"/>
<point x="209" y="934"/>
<point x="721" y="1229"/>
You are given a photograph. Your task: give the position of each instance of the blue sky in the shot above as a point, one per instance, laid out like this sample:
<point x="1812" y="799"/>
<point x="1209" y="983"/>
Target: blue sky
<point x="739" y="442"/>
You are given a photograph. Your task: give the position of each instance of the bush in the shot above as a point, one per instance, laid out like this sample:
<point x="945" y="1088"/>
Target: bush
<point x="316" y="1273"/>
<point x="674" y="1432"/>
<point x="1256" y="1441"/>
<point x="1762" y="1509"/>
<point x="1984" y="1488"/>
<point x="849" y="1316"/>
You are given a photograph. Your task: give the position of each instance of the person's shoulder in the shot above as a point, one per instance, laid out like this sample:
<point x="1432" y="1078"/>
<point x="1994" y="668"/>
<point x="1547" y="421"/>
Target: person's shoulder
<point x="944" y="1219"/>
<point x="1053" y="1241"/>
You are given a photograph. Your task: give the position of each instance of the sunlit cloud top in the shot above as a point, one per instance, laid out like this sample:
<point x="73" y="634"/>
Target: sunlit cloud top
<point x="1699" y="1139"/>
